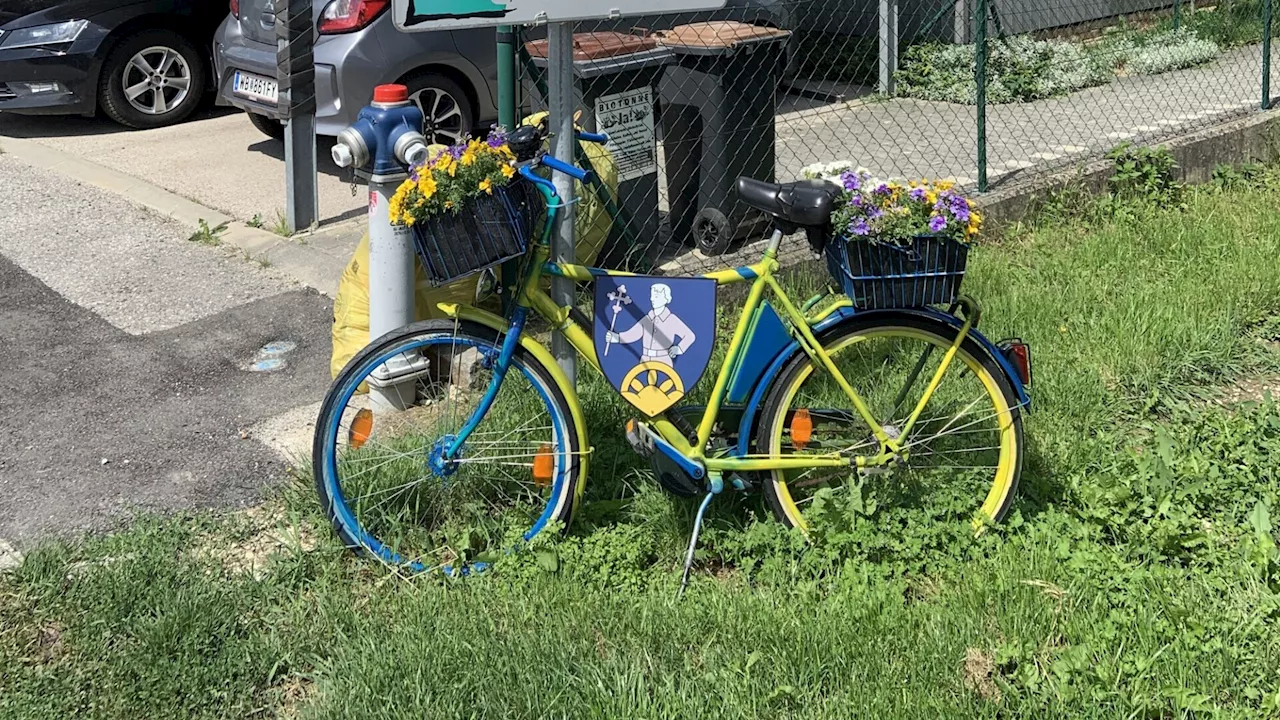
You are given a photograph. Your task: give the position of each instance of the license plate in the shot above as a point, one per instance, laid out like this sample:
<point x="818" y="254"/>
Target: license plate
<point x="256" y="87"/>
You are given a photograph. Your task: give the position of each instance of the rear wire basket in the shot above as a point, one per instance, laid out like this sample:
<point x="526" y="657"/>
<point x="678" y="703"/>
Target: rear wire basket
<point x="927" y="270"/>
<point x="487" y="231"/>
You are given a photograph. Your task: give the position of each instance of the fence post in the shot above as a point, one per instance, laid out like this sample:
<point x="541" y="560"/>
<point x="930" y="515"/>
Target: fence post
<point x="1177" y="14"/>
<point x="1266" y="54"/>
<point x="888" y="45"/>
<point x="980" y="77"/>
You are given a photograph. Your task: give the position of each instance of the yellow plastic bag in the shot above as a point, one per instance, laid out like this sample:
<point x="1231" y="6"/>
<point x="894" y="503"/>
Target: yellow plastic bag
<point x="592" y="224"/>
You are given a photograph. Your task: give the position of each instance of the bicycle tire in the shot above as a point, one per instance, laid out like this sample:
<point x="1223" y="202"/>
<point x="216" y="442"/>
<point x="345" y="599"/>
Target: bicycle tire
<point x="1006" y="413"/>
<point x="566" y="452"/>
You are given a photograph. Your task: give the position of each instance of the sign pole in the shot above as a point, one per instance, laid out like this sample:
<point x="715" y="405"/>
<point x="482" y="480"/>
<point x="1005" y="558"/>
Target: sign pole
<point x="295" y="72"/>
<point x="560" y="106"/>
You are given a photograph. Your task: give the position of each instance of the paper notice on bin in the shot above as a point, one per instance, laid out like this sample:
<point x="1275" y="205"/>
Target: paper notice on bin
<point x="627" y="118"/>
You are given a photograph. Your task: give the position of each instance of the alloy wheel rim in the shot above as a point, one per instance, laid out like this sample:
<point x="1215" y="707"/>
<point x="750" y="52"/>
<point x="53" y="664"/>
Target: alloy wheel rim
<point x="156" y="80"/>
<point x="441" y="116"/>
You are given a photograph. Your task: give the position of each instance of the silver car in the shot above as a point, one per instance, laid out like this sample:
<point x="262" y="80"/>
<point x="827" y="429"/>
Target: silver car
<point x="452" y="76"/>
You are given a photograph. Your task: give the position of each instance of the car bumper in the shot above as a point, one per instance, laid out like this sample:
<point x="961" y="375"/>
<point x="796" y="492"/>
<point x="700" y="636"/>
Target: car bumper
<point x="232" y="52"/>
<point x="39" y="82"/>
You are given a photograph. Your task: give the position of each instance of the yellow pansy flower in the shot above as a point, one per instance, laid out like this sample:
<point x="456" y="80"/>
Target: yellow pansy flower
<point x="468" y="157"/>
<point x="426" y="185"/>
<point x="487" y="185"/>
<point x="508" y="171"/>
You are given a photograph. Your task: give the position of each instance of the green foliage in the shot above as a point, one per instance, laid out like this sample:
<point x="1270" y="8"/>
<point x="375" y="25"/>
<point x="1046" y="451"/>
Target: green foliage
<point x="1019" y="69"/>
<point x="1145" y="174"/>
<point x="1172" y="49"/>
<point x="281" y="225"/>
<point x="1023" y="69"/>
<point x="1231" y="23"/>
<point x="208" y="235"/>
<point x="256" y="221"/>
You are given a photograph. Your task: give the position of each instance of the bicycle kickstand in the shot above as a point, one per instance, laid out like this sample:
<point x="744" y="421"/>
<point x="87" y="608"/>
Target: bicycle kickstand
<point x="693" y="542"/>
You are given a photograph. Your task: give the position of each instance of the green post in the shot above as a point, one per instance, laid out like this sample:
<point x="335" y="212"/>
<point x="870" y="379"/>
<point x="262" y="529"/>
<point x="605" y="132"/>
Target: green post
<point x="507" y="76"/>
<point x="1266" y="55"/>
<point x="980" y="78"/>
<point x="509" y="276"/>
<point x="1177" y="14"/>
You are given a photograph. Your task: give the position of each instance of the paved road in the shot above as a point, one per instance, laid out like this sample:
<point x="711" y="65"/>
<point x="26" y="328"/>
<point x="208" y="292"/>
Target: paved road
<point x="218" y="159"/>
<point x="121" y="340"/>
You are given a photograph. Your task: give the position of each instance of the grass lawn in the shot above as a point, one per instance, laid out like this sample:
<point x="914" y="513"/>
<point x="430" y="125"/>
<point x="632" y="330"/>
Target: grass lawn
<point x="1137" y="577"/>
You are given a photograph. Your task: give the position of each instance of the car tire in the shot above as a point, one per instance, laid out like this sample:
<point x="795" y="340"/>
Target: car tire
<point x="447" y="113"/>
<point x="135" y="98"/>
<point x="270" y="127"/>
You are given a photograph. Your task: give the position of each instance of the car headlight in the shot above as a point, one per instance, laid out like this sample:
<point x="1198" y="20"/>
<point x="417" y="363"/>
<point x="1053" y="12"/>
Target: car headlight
<point x="52" y="34"/>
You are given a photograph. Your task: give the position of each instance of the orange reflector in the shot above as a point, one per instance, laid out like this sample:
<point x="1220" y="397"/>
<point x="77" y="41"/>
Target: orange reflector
<point x="543" y="466"/>
<point x="361" y="428"/>
<point x="801" y="428"/>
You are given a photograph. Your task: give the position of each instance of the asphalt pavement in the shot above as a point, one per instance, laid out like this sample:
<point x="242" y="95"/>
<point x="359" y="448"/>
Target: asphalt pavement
<point x="128" y="358"/>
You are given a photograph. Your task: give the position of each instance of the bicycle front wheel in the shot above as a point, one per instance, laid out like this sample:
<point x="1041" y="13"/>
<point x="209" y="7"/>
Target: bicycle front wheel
<point x="963" y="455"/>
<point x="381" y="458"/>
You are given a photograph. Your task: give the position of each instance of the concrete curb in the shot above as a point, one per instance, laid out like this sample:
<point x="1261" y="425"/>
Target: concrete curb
<point x="315" y="259"/>
<point x="1255" y="138"/>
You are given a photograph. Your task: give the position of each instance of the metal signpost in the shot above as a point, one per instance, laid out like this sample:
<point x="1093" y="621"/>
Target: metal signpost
<point x="296" y="73"/>
<point x="558" y="15"/>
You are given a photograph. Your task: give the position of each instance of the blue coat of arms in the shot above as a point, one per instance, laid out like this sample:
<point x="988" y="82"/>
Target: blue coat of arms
<point x="653" y="336"/>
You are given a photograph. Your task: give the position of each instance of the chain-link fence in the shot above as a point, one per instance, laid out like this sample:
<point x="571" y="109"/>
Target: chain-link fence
<point x="780" y="90"/>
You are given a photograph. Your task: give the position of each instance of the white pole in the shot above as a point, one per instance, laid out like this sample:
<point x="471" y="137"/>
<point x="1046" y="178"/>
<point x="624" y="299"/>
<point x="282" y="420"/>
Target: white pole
<point x="560" y="106"/>
<point x="391" y="278"/>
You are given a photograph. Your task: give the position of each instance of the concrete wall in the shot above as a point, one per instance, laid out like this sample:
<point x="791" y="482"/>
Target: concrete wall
<point x="1255" y="138"/>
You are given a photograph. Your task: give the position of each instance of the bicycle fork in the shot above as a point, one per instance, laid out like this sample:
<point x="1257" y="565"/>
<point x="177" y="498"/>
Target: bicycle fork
<point x="501" y="364"/>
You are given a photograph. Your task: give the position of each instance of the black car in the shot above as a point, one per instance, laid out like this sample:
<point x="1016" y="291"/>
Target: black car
<point x="144" y="63"/>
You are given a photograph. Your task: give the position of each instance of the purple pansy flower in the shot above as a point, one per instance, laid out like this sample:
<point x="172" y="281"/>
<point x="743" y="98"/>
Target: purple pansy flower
<point x="937" y="224"/>
<point x="497" y="138"/>
<point x="882" y="189"/>
<point x="850" y="180"/>
<point x="860" y="227"/>
<point x="457" y="150"/>
<point x="917" y="194"/>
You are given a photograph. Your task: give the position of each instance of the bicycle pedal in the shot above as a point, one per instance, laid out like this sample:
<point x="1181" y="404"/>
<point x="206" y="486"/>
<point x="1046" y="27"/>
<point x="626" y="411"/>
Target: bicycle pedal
<point x="640" y="438"/>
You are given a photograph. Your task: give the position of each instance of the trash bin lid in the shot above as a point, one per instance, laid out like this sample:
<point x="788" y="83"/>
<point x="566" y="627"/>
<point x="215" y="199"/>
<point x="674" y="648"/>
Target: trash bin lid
<point x="597" y="45"/>
<point x="717" y="38"/>
<point x="605" y="53"/>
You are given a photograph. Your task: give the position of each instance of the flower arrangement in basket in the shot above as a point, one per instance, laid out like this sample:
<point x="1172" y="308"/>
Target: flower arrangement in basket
<point x="900" y="245"/>
<point x="464" y="210"/>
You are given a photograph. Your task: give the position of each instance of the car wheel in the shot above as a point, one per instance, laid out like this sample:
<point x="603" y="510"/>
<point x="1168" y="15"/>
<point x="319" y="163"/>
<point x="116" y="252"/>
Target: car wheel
<point x="447" y="114"/>
<point x="151" y="79"/>
<point x="270" y="127"/>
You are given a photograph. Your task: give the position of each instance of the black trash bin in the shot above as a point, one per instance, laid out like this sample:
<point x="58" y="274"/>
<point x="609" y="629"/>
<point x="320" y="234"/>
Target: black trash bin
<point x="718" y="105"/>
<point x="616" y="77"/>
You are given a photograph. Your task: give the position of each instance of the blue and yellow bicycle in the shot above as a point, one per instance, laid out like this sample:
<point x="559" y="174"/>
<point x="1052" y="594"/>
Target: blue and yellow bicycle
<point x="450" y="440"/>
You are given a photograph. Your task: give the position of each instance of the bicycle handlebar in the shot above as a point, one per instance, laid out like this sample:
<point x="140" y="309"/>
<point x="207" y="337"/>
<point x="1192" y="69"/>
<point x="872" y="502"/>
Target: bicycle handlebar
<point x="572" y="171"/>
<point x="598" y="138"/>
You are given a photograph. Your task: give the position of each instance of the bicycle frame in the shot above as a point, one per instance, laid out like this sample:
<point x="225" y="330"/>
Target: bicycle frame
<point x="761" y="275"/>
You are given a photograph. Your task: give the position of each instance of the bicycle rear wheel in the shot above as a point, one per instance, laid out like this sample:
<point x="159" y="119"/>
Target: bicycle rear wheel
<point x="380" y="459"/>
<point x="964" y="453"/>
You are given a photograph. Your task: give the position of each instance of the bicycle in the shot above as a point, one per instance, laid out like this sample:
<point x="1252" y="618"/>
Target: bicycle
<point x="487" y="443"/>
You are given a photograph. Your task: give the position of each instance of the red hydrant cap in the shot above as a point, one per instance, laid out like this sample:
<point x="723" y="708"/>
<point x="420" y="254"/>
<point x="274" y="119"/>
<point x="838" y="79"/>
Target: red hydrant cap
<point x="390" y="94"/>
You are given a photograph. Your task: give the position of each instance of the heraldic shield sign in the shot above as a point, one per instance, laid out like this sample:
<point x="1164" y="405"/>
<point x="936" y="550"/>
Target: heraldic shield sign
<point x="653" y="336"/>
